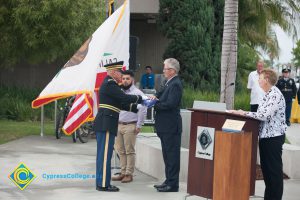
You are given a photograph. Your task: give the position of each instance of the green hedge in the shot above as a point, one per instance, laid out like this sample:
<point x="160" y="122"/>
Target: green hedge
<point x="16" y="104"/>
<point x="242" y="98"/>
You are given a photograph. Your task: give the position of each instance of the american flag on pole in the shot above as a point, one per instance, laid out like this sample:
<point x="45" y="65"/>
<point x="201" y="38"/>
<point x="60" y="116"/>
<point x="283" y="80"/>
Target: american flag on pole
<point x="83" y="74"/>
<point x="84" y="108"/>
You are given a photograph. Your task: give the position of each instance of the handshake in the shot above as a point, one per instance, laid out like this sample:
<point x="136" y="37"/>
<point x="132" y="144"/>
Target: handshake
<point x="149" y="102"/>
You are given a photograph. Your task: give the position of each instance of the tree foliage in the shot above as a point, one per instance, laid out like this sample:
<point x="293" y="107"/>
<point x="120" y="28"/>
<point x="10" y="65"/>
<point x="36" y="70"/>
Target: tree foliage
<point x="296" y="54"/>
<point x="258" y="17"/>
<point x="194" y="40"/>
<point x="38" y="31"/>
<point x="246" y="62"/>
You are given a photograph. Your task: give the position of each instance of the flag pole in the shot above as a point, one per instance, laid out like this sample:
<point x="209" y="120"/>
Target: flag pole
<point x="109" y="8"/>
<point x="42" y="121"/>
<point x="109" y="11"/>
<point x="106" y="8"/>
<point x="55" y="114"/>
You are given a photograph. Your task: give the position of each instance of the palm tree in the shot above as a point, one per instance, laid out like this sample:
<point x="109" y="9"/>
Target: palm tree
<point x="229" y="52"/>
<point x="256" y="20"/>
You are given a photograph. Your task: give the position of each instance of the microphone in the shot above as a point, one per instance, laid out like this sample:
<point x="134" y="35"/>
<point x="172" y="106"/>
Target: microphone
<point x="231" y="84"/>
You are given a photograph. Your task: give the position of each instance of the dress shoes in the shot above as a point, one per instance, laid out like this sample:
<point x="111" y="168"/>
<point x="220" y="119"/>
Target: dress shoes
<point x="118" y="178"/>
<point x="167" y="188"/>
<point x="110" y="188"/>
<point x="127" y="179"/>
<point x="160" y="186"/>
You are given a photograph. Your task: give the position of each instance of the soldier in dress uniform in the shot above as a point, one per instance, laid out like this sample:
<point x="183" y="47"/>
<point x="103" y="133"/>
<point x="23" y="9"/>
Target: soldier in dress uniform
<point x="288" y="88"/>
<point x="112" y="100"/>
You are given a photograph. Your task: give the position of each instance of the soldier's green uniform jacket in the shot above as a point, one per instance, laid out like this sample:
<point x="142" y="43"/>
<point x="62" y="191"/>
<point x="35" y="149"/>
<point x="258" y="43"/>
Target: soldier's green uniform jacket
<point x="111" y="100"/>
<point x="288" y="88"/>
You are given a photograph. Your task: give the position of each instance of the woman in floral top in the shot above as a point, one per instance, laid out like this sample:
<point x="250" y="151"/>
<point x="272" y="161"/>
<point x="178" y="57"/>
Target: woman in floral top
<point x="271" y="113"/>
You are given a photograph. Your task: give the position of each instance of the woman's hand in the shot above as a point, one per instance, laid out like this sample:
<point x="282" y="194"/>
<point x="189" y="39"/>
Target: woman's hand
<point x="238" y="112"/>
<point x="241" y="112"/>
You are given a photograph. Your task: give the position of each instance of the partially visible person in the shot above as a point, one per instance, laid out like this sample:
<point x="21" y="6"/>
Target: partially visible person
<point x="288" y="88"/>
<point x="298" y="96"/>
<point x="129" y="126"/>
<point x="168" y="124"/>
<point x="271" y="113"/>
<point x="256" y="92"/>
<point x="112" y="100"/>
<point x="148" y="79"/>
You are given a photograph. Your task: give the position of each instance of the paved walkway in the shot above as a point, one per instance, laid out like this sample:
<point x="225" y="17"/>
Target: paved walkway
<point x="293" y="134"/>
<point x="46" y="156"/>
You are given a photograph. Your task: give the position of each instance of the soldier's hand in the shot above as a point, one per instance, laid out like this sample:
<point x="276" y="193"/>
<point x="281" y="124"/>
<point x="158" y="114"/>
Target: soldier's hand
<point x="144" y="97"/>
<point x="153" y="97"/>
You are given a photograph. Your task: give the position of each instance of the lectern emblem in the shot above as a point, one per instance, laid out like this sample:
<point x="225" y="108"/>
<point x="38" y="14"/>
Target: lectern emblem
<point x="204" y="139"/>
<point x="205" y="142"/>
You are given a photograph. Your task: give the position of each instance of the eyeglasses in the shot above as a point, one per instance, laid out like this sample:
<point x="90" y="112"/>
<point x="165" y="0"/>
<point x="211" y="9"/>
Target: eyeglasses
<point x="165" y="69"/>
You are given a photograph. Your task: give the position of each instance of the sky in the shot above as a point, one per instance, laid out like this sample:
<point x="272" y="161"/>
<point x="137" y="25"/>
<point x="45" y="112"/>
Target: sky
<point x="285" y="44"/>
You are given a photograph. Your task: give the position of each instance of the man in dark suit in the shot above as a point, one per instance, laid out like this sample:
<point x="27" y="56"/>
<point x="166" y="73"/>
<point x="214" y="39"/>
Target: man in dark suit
<point x="168" y="125"/>
<point x="112" y="100"/>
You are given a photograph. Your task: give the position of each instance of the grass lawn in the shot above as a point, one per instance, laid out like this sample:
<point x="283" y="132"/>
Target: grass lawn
<point x="11" y="130"/>
<point x="147" y="129"/>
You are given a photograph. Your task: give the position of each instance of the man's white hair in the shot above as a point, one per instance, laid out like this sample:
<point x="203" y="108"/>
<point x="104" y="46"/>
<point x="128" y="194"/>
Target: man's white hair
<point x="172" y="63"/>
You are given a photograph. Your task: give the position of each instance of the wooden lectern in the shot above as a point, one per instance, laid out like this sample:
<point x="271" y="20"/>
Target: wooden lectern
<point x="201" y="179"/>
<point x="232" y="164"/>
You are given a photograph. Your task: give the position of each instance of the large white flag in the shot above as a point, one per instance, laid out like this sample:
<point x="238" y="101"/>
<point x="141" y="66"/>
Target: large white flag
<point x="109" y="43"/>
